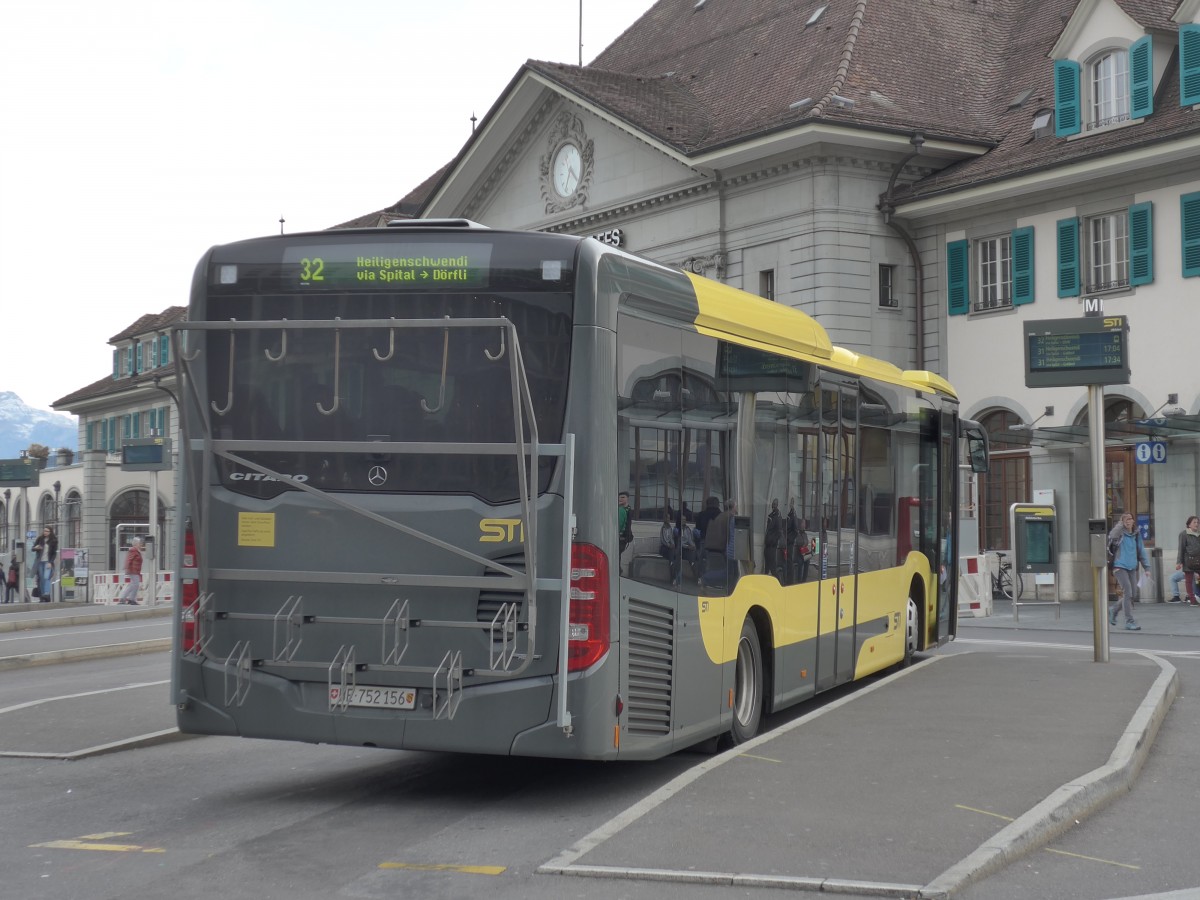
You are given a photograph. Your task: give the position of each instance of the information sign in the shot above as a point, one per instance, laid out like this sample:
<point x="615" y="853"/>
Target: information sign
<point x="146" y="455"/>
<point x="18" y="473"/>
<point x="1148" y="452"/>
<point x="1077" y="352"/>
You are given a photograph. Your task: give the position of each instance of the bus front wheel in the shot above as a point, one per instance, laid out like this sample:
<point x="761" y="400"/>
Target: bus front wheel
<point x="748" y="686"/>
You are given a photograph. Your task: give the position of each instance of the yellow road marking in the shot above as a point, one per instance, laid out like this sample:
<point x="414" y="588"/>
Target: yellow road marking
<point x="983" y="812"/>
<point x="110" y="848"/>
<point x="468" y="870"/>
<point x="104" y="835"/>
<point x="763" y="758"/>
<point x="1108" y="862"/>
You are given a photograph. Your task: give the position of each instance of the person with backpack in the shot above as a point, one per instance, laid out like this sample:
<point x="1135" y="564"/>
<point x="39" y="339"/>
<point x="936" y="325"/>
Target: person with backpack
<point x="1125" y="549"/>
<point x="1187" y="562"/>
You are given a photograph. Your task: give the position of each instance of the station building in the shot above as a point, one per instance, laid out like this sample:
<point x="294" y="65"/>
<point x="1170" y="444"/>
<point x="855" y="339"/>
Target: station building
<point x="924" y="179"/>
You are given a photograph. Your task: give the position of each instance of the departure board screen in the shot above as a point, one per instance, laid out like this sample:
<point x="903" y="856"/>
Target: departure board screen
<point x="1083" y="351"/>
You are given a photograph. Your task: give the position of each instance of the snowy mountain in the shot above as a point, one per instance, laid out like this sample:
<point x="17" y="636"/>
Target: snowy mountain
<point x="22" y="425"/>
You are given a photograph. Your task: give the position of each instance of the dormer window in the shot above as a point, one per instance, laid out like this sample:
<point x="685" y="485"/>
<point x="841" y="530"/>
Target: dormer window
<point x="1110" y="89"/>
<point x="1114" y="86"/>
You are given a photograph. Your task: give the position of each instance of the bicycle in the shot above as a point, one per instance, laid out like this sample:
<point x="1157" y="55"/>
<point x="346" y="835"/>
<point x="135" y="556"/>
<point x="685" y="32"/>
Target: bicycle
<point x="1004" y="582"/>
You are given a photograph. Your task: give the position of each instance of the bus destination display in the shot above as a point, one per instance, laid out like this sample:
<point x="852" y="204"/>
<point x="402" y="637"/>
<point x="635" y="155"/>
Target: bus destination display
<point x="1083" y="351"/>
<point x="421" y="267"/>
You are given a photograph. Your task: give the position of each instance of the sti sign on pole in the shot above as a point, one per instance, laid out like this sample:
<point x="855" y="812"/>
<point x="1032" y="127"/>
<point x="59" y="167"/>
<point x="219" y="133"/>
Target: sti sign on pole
<point x="1077" y="352"/>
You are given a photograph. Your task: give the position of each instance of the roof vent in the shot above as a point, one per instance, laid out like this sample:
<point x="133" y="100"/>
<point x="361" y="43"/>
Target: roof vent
<point x="699" y="5"/>
<point x="800" y="104"/>
<point x="840" y="102"/>
<point x="816" y="16"/>
<point x="1019" y="100"/>
<point x="1043" y="123"/>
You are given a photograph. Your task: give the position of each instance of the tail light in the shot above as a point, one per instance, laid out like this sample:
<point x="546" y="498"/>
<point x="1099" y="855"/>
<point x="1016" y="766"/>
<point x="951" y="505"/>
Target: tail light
<point x="190" y="590"/>
<point x="587" y="637"/>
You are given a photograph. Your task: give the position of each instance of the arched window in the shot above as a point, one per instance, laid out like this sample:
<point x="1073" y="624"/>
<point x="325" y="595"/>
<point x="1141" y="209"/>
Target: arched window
<point x="1110" y="88"/>
<point x="47" y="514"/>
<point x="72" y="513"/>
<point x="132" y="508"/>
<point x="1008" y="480"/>
<point x="4" y="526"/>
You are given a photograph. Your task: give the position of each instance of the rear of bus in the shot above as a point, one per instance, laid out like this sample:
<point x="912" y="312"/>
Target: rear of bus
<point x="374" y="494"/>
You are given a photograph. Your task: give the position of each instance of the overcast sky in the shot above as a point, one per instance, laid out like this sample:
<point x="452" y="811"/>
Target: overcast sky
<point x="135" y="134"/>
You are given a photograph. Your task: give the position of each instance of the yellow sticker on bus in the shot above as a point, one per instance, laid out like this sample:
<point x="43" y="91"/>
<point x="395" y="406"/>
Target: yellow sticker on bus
<point x="256" y="529"/>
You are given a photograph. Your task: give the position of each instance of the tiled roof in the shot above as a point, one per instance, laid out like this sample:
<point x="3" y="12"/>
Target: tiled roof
<point x="152" y="322"/>
<point x="730" y="71"/>
<point x="1028" y="67"/>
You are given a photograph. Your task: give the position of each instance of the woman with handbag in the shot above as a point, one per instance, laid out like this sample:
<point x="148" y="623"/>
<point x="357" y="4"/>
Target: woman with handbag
<point x="1126" y="551"/>
<point x="1188" y="559"/>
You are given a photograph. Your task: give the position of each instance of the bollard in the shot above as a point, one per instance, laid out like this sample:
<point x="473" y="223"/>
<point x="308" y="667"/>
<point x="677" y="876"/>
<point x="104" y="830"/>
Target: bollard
<point x="1156" y="575"/>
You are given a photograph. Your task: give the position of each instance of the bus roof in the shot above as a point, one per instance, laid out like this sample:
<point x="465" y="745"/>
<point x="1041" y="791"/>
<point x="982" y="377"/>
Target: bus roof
<point x="733" y="314"/>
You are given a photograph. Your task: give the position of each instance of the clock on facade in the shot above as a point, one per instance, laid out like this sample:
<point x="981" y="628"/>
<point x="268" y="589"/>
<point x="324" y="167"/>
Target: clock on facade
<point x="567" y="170"/>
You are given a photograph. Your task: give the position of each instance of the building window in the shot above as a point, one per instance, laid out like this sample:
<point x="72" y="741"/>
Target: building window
<point x="1110" y="89"/>
<point x="766" y="284"/>
<point x="887" y="287"/>
<point x="994" y="257"/>
<point x="1107" y="252"/>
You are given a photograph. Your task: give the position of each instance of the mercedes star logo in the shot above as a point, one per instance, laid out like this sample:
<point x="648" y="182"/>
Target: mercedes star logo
<point x="377" y="476"/>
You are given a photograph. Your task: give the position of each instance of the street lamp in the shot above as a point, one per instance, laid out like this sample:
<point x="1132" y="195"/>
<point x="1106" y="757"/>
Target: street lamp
<point x="58" y="531"/>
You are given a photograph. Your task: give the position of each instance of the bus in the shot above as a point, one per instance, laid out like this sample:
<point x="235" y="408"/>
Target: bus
<point x="402" y="454"/>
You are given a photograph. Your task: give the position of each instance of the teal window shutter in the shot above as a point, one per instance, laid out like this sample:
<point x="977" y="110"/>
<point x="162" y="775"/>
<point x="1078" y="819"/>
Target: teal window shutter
<point x="958" y="277"/>
<point x="1022" y="266"/>
<point x="1141" y="243"/>
<point x="1141" y="78"/>
<point x="126" y="423"/>
<point x="1189" y="64"/>
<point x="116" y="364"/>
<point x="164" y="349"/>
<point x="1068" y="257"/>
<point x="136" y="426"/>
<point x="164" y="420"/>
<point x="88" y="435"/>
<point x="1066" y="97"/>
<point x="1189" y="209"/>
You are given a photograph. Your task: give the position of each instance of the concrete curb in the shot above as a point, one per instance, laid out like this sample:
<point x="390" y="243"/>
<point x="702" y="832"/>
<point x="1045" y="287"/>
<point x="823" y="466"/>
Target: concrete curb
<point x="86" y="618"/>
<point x="1072" y="802"/>
<point x="103" y="651"/>
<point x="155" y="738"/>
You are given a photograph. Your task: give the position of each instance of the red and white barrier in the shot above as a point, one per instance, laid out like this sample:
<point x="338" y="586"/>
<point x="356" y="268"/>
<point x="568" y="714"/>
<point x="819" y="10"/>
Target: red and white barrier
<point x="974" y="587"/>
<point x="107" y="587"/>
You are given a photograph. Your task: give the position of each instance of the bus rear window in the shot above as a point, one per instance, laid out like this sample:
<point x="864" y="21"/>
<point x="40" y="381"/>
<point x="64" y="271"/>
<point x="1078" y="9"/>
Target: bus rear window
<point x="442" y="387"/>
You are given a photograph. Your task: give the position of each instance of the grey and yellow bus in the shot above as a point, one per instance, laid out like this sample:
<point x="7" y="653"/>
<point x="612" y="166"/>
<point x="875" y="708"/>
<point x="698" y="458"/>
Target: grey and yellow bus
<point x="403" y="450"/>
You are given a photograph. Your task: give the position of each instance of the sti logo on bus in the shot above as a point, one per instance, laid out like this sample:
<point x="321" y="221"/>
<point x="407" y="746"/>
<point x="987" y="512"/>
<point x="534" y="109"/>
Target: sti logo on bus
<point x="500" y="531"/>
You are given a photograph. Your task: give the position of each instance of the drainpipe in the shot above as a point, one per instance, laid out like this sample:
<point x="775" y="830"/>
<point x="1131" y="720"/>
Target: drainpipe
<point x="887" y="206"/>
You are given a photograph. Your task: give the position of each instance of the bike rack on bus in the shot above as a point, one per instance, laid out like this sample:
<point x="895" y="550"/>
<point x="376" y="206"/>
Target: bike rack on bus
<point x="504" y="627"/>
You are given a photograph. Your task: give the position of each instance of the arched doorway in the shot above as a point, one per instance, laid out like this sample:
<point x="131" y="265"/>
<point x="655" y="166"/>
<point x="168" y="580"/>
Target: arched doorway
<point x="1127" y="486"/>
<point x="1008" y="480"/>
<point x="132" y="507"/>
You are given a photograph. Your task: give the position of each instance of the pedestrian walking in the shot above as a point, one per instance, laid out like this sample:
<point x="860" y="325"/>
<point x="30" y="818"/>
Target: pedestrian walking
<point x="46" y="548"/>
<point x="13" y="581"/>
<point x="1187" y="561"/>
<point x="1126" y="550"/>
<point x="133" y="570"/>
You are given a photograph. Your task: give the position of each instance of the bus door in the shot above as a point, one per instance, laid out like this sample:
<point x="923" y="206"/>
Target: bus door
<point x="837" y="533"/>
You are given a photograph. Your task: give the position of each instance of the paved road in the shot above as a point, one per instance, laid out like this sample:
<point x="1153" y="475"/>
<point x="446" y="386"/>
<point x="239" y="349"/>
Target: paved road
<point x="955" y="776"/>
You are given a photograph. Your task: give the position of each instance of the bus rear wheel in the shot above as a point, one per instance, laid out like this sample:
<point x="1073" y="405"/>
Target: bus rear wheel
<point x="747" y="687"/>
<point x="912" y="627"/>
